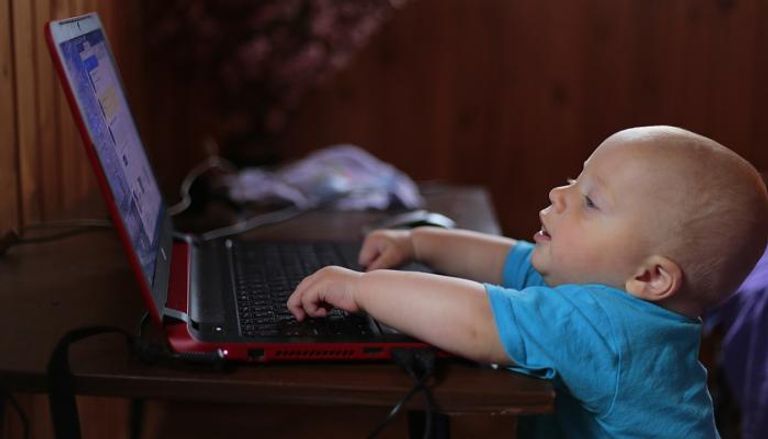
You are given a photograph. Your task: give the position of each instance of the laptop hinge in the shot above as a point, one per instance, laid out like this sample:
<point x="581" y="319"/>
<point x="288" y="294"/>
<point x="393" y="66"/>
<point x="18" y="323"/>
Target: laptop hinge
<point x="176" y="314"/>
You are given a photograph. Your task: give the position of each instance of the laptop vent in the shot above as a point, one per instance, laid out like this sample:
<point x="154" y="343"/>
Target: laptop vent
<point x="304" y="353"/>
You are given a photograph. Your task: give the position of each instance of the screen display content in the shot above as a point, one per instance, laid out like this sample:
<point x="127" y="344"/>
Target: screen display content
<point x="112" y="129"/>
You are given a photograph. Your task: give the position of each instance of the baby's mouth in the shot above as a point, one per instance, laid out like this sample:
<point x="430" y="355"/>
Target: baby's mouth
<point x="542" y="235"/>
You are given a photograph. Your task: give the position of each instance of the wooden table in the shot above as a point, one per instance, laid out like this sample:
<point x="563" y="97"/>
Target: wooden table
<point x="48" y="289"/>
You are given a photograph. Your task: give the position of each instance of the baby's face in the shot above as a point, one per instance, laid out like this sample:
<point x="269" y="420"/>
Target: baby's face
<point x="600" y="227"/>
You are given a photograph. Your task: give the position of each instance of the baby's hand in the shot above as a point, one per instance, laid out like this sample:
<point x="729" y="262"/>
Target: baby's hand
<point x="329" y="287"/>
<point x="386" y="248"/>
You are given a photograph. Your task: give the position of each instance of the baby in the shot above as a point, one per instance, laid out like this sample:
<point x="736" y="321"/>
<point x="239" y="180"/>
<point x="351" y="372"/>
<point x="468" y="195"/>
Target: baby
<point x="661" y="224"/>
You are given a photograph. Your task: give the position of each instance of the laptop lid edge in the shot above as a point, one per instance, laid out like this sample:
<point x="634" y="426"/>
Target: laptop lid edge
<point x="154" y="295"/>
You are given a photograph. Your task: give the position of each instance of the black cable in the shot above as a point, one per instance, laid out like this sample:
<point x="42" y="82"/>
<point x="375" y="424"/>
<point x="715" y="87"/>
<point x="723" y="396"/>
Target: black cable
<point x="61" y="388"/>
<point x="13" y="238"/>
<point x="19" y="411"/>
<point x="212" y="162"/>
<point x="419" y="365"/>
<point x="424" y="365"/>
<point x="142" y="323"/>
<point x="396" y="410"/>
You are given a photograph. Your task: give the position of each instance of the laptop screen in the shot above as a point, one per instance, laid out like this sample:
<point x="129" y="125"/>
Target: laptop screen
<point x="107" y="117"/>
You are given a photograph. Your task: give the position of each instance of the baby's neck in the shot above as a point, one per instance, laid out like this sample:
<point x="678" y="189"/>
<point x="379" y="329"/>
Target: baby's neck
<point x="682" y="306"/>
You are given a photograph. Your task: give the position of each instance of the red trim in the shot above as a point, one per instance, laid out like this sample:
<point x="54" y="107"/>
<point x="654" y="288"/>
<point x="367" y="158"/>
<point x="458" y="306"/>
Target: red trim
<point x="101" y="178"/>
<point x="178" y="280"/>
<point x="183" y="341"/>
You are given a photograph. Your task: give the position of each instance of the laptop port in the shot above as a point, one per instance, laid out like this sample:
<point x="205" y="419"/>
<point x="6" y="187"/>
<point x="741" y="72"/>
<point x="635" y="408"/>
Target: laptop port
<point x="256" y="354"/>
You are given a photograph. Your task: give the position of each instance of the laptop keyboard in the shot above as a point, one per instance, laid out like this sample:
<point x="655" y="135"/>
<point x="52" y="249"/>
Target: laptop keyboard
<point x="265" y="276"/>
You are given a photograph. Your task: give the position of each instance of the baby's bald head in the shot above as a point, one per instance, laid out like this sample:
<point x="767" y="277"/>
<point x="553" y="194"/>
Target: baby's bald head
<point x="708" y="207"/>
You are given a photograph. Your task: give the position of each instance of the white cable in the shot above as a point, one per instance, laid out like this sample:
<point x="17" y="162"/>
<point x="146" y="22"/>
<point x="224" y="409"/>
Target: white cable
<point x="253" y="222"/>
<point x="277" y="216"/>
<point x="186" y="184"/>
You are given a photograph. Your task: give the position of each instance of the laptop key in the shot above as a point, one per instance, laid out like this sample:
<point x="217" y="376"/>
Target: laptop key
<point x="266" y="275"/>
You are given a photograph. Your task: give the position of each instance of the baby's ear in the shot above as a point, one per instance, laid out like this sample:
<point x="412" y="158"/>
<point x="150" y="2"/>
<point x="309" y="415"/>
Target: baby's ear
<point x="657" y="278"/>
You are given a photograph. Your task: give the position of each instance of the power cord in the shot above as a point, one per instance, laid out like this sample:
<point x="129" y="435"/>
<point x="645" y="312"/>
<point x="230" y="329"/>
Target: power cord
<point x="212" y="162"/>
<point x="419" y="364"/>
<point x="277" y="216"/>
<point x="13" y="238"/>
<point x="61" y="387"/>
<point x="215" y="161"/>
<point x="253" y="222"/>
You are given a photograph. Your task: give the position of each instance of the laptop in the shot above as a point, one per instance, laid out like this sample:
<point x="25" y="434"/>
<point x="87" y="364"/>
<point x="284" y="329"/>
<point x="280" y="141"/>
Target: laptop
<point x="223" y="297"/>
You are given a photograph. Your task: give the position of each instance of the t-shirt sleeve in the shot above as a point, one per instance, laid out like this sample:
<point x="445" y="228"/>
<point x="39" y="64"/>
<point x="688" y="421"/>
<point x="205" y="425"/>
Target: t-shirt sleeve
<point x="518" y="272"/>
<point x="562" y="334"/>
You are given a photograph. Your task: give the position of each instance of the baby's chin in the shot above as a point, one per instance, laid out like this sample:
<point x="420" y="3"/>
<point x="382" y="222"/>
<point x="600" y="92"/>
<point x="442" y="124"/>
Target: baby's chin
<point x="553" y="277"/>
<point x="552" y="280"/>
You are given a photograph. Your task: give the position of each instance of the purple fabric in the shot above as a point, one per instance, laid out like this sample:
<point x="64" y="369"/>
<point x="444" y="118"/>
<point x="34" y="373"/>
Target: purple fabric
<point x="744" y="317"/>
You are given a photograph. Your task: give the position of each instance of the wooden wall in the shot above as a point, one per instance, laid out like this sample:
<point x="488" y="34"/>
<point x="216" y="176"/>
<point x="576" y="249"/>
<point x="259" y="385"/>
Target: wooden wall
<point x="43" y="169"/>
<point x="44" y="173"/>
<point x="514" y="94"/>
<point x="509" y="94"/>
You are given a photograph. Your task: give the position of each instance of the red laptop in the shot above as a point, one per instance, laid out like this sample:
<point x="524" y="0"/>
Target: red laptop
<point x="224" y="297"/>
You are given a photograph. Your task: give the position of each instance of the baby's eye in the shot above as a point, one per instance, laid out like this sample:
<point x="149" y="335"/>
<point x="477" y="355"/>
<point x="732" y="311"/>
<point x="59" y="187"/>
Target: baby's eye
<point x="589" y="203"/>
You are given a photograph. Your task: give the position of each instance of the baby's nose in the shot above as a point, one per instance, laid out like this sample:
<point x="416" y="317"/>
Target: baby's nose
<point x="557" y="198"/>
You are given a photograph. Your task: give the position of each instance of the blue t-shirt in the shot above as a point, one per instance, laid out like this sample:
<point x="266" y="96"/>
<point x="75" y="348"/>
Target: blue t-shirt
<point x="621" y="366"/>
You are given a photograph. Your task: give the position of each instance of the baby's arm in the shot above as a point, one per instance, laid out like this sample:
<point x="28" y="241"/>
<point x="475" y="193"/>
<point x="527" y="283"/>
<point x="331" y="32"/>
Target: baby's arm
<point x="460" y="253"/>
<point x="449" y="313"/>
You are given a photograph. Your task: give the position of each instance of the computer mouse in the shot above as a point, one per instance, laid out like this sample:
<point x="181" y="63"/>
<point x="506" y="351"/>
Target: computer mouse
<point x="415" y="218"/>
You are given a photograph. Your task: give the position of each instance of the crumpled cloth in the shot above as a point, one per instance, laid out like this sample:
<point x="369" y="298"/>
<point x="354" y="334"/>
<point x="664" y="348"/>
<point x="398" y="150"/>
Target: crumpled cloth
<point x="344" y="177"/>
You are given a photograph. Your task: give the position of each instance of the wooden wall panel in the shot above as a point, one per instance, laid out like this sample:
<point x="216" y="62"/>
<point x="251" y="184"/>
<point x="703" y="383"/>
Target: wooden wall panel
<point x="47" y="119"/>
<point x="44" y="173"/>
<point x="508" y="94"/>
<point x="515" y="95"/>
<point x="9" y="191"/>
<point x="26" y="109"/>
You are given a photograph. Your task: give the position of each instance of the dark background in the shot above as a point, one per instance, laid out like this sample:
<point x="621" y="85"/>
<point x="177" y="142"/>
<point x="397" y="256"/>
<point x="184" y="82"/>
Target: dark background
<point x="513" y="95"/>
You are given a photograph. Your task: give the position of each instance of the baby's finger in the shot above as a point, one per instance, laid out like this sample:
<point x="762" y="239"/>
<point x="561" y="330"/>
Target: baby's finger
<point x="370" y="251"/>
<point x="319" y="312"/>
<point x="310" y="302"/>
<point x="294" y="306"/>
<point x="294" y="303"/>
